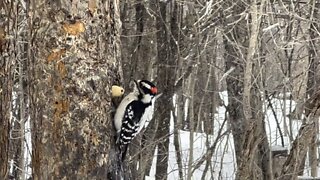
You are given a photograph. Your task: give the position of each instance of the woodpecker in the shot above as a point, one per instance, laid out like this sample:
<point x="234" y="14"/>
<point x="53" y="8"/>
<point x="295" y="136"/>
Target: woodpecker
<point x="133" y="112"/>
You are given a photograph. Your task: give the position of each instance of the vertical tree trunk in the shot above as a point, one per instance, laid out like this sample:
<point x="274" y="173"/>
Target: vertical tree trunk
<point x="148" y="145"/>
<point x="176" y="133"/>
<point x="6" y="84"/>
<point x="255" y="135"/>
<point x="234" y="79"/>
<point x="312" y="84"/>
<point x="8" y="54"/>
<point x="299" y="148"/>
<point x="176" y="11"/>
<point x="192" y="119"/>
<point x="74" y="60"/>
<point x="163" y="116"/>
<point x="245" y="106"/>
<point x="166" y="56"/>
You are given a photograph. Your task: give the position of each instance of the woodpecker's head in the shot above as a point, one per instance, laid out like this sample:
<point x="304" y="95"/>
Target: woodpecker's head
<point x="146" y="87"/>
<point x="147" y="90"/>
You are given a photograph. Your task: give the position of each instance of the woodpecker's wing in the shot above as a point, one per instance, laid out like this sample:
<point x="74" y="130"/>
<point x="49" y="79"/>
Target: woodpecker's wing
<point x="131" y="121"/>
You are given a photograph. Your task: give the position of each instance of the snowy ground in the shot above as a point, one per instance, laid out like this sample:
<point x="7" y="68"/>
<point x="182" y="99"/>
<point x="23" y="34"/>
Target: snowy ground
<point x="223" y="160"/>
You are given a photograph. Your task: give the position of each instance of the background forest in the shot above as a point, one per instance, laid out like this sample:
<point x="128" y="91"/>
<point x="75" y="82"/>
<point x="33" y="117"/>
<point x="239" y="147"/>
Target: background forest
<point x="240" y="84"/>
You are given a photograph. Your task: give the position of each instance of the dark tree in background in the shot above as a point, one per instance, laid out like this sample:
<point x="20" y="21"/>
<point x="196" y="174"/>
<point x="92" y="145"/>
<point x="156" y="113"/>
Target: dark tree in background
<point x="166" y="61"/>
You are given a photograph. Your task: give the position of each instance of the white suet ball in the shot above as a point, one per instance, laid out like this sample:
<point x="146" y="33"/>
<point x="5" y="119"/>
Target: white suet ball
<point x="117" y="91"/>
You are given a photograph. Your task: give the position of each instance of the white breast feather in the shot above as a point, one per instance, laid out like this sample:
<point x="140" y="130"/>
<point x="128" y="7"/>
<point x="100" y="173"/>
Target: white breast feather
<point x="147" y="116"/>
<point x="147" y="98"/>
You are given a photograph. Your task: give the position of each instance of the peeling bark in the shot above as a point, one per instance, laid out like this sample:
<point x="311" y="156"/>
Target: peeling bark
<point x="75" y="59"/>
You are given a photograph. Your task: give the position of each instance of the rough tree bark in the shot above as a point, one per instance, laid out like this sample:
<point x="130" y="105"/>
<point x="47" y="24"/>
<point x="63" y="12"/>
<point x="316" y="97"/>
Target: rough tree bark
<point x="255" y="146"/>
<point x="74" y="60"/>
<point x="291" y="167"/>
<point x="13" y="45"/>
<point x="6" y="82"/>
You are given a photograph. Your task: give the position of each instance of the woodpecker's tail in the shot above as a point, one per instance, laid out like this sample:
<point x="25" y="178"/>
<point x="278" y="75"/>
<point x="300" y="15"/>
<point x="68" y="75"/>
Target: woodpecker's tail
<point x="123" y="151"/>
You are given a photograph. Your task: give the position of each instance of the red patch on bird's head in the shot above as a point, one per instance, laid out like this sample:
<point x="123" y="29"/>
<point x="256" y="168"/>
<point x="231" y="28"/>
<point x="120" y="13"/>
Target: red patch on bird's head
<point x="154" y="90"/>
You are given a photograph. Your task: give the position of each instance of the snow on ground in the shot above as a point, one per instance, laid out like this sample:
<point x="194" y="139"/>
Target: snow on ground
<point x="223" y="160"/>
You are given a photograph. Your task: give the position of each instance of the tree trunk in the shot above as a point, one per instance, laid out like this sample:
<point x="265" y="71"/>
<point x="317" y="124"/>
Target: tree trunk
<point x="255" y="147"/>
<point x="6" y="83"/>
<point x="176" y="133"/>
<point x="166" y="56"/>
<point x="312" y="83"/>
<point x="74" y="60"/>
<point x="234" y="82"/>
<point x="245" y="105"/>
<point x="291" y="167"/>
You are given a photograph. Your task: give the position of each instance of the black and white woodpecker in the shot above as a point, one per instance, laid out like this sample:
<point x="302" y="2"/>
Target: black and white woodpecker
<point x="132" y="113"/>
